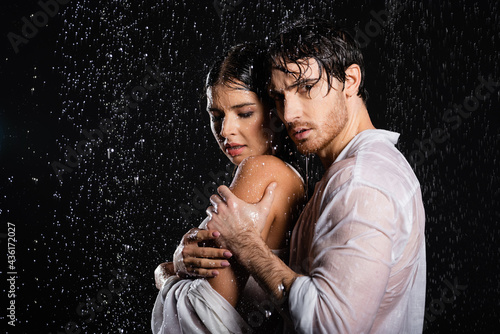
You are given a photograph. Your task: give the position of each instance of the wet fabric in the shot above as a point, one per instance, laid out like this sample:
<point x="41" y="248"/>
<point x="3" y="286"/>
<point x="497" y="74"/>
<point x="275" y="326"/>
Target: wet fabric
<point x="360" y="245"/>
<point x="193" y="306"/>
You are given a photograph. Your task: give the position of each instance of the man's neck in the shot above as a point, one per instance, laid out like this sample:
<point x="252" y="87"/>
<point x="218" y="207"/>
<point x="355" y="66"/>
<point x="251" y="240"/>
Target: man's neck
<point x="358" y="121"/>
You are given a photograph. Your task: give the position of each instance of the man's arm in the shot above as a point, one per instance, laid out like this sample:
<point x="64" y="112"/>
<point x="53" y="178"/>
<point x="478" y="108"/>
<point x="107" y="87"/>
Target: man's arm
<point x="240" y="233"/>
<point x="350" y="259"/>
<point x="269" y="270"/>
<point x="252" y="178"/>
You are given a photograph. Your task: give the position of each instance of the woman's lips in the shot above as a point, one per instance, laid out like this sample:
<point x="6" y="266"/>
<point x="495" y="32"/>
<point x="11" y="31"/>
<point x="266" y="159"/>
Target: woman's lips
<point x="300" y="134"/>
<point x="234" y="149"/>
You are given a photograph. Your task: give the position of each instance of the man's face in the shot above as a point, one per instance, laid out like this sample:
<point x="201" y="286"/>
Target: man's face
<point x="313" y="115"/>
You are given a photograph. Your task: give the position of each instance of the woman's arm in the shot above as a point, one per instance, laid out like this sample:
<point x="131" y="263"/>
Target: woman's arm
<point x="251" y="180"/>
<point x="162" y="272"/>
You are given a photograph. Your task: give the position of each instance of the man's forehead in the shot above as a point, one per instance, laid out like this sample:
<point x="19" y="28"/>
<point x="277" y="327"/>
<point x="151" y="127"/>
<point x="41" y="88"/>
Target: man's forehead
<point x="303" y="68"/>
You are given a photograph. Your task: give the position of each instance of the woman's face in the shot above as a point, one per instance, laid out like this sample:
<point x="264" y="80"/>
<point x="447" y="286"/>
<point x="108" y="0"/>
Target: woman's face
<point x="239" y="122"/>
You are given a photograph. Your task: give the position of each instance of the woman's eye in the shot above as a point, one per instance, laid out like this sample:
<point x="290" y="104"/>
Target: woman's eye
<point x="246" y="114"/>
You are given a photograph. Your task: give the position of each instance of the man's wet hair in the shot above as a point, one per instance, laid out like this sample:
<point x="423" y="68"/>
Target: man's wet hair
<point x="333" y="48"/>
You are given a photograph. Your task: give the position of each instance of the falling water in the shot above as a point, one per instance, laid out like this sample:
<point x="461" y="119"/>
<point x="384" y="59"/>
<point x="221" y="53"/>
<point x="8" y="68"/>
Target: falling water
<point x="136" y="69"/>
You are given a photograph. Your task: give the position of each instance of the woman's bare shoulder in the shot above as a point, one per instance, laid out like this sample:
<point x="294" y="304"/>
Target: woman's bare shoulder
<point x="267" y="165"/>
<point x="255" y="173"/>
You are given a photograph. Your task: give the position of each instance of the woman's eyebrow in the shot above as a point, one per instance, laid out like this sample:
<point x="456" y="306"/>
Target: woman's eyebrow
<point x="241" y="105"/>
<point x="236" y="106"/>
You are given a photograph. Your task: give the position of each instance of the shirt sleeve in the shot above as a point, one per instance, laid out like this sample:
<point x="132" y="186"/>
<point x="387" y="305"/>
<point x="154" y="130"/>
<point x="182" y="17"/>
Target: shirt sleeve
<point x="349" y="263"/>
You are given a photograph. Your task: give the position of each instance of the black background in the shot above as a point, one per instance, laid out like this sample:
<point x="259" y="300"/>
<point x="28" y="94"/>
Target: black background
<point x="119" y="212"/>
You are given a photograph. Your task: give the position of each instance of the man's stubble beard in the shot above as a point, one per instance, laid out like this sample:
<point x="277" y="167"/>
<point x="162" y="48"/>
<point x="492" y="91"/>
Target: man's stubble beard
<point x="336" y="122"/>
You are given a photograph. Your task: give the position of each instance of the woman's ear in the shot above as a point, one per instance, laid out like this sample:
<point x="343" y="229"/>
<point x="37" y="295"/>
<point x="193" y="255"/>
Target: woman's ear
<point x="352" y="80"/>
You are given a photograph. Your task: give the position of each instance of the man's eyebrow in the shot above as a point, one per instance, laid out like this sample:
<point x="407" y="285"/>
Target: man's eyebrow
<point x="282" y="69"/>
<point x="294" y="85"/>
<point x="302" y="82"/>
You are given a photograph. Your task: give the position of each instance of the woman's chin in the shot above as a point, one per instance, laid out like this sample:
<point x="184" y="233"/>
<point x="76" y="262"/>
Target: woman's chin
<point x="237" y="159"/>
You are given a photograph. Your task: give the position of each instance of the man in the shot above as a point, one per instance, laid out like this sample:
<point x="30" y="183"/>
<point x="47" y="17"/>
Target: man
<point x="357" y="262"/>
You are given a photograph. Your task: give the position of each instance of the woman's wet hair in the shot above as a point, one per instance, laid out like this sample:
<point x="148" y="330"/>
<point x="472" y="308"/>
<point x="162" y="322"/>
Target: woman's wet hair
<point x="333" y="48"/>
<point x="246" y="66"/>
<point x="242" y="67"/>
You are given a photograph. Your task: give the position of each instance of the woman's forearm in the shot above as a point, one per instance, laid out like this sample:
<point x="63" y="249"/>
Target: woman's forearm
<point x="162" y="272"/>
<point x="230" y="281"/>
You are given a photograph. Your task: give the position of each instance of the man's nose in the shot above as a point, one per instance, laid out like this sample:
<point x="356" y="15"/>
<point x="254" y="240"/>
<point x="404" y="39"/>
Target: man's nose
<point x="292" y="108"/>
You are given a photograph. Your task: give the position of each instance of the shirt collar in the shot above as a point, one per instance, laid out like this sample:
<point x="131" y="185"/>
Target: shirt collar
<point x="367" y="136"/>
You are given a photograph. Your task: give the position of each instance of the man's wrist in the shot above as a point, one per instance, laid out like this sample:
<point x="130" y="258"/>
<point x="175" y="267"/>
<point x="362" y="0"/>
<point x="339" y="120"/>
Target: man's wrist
<point x="253" y="253"/>
<point x="245" y="242"/>
<point x="288" y="281"/>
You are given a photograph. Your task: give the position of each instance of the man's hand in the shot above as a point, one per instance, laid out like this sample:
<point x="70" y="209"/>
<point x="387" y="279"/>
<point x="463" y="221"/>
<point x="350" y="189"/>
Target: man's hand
<point x="240" y="225"/>
<point x="193" y="260"/>
<point x="232" y="216"/>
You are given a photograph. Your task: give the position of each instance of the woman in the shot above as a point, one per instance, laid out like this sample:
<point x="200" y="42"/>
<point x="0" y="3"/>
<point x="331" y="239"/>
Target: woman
<point x="240" y="119"/>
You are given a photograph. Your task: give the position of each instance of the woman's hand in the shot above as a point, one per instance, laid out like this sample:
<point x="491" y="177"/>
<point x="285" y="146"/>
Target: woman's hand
<point x="193" y="260"/>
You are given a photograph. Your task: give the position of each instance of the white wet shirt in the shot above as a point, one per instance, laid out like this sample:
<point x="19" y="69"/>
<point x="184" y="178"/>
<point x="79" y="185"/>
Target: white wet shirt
<point x="360" y="244"/>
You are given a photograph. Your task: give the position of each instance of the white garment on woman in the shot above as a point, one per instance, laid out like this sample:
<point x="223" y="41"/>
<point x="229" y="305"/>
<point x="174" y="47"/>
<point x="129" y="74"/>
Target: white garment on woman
<point x="193" y="306"/>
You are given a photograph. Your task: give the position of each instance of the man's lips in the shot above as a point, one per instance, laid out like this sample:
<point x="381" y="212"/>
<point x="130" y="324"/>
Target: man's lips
<point x="301" y="133"/>
<point x="234" y="149"/>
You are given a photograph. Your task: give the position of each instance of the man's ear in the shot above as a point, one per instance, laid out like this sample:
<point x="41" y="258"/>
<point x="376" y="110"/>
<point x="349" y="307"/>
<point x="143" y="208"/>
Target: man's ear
<point x="352" y="80"/>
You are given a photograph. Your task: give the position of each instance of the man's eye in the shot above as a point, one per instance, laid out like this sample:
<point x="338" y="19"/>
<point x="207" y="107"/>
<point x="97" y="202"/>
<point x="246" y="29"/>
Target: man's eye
<point x="304" y="88"/>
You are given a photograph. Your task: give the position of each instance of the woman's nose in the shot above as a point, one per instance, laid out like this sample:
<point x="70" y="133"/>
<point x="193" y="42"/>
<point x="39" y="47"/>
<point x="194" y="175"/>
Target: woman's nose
<point x="229" y="126"/>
